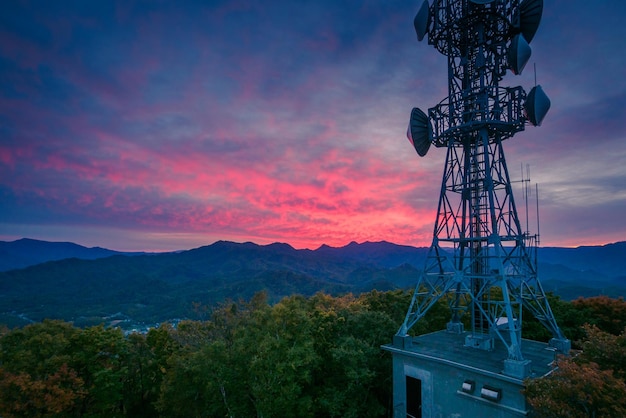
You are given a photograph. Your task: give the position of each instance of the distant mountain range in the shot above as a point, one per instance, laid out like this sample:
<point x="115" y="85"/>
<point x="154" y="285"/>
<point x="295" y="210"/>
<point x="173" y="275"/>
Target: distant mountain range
<point x="27" y="252"/>
<point x="93" y="285"/>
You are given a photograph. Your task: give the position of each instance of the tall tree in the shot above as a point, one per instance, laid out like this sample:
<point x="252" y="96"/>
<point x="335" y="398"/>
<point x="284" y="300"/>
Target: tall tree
<point x="590" y="384"/>
<point x="608" y="314"/>
<point x="36" y="374"/>
<point x="606" y="350"/>
<point x="577" y="390"/>
<point x="97" y="356"/>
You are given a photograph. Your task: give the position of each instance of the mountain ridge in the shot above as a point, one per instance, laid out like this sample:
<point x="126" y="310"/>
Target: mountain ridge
<point x="26" y="252"/>
<point x="154" y="287"/>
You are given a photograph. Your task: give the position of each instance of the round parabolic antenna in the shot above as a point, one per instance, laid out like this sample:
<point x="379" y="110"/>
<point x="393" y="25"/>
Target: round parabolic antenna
<point x="419" y="132"/>
<point x="421" y="20"/>
<point x="537" y="105"/>
<point x="519" y="54"/>
<point x="530" y="17"/>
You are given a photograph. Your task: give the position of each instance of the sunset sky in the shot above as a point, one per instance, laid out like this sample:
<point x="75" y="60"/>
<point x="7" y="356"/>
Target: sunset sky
<point x="167" y="125"/>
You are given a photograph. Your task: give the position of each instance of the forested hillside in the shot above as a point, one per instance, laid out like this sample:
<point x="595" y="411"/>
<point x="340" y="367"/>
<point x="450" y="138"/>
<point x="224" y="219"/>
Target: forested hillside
<point x="315" y="356"/>
<point x="139" y="290"/>
<point x="156" y="288"/>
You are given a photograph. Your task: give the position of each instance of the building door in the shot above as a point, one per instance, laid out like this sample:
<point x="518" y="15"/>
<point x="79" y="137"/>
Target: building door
<point x="413" y="397"/>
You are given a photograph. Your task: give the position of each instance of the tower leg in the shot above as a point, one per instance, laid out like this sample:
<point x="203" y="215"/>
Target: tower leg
<point x="562" y="345"/>
<point x="455" y="327"/>
<point x="519" y="369"/>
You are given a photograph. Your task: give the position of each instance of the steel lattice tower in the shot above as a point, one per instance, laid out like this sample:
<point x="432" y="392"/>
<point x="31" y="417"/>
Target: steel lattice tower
<point x="480" y="259"/>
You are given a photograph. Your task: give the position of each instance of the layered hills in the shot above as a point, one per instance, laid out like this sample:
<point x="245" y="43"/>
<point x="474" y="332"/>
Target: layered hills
<point x="94" y="285"/>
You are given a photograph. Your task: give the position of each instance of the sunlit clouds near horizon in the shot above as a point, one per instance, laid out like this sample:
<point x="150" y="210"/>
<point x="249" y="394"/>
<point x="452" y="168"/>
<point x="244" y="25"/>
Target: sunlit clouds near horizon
<point x="170" y="125"/>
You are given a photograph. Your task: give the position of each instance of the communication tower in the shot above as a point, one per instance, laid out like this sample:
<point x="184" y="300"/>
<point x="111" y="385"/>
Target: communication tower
<point x="480" y="260"/>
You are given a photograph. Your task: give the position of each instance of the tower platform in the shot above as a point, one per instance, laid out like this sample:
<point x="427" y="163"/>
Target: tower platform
<point x="437" y="375"/>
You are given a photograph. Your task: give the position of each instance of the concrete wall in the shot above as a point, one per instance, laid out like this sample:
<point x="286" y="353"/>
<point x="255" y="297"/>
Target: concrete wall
<point x="442" y="390"/>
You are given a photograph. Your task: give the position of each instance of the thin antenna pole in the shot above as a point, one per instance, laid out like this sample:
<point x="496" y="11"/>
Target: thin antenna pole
<point x="537" y="200"/>
<point x="521" y="169"/>
<point x="535" y="67"/>
<point x="527" y="196"/>
<point x="525" y="181"/>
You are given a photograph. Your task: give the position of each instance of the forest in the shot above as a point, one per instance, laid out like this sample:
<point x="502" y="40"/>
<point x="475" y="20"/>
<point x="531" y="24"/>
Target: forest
<point x="316" y="356"/>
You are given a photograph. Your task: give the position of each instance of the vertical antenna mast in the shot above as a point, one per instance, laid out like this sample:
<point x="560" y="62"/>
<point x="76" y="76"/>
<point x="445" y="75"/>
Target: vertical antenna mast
<point x="537" y="200"/>
<point x="525" y="181"/>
